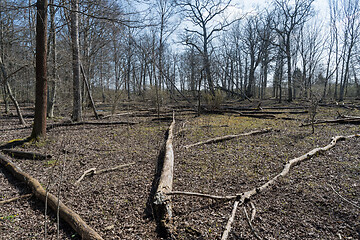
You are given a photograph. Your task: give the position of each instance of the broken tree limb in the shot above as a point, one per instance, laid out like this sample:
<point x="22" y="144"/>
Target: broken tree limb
<point x="203" y="195"/>
<point x="348" y="201"/>
<point x="92" y="171"/>
<point x="230" y="221"/>
<point x="341" y="121"/>
<point x="69" y="216"/>
<point x="228" y="137"/>
<point x="15" y="198"/>
<point x="247" y="195"/>
<point x="250" y="224"/>
<point x="68" y="124"/>
<point x="162" y="201"/>
<point x="26" y="155"/>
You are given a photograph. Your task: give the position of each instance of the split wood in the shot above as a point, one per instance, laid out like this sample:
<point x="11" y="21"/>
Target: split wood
<point x="92" y="171"/>
<point x="69" y="216"/>
<point x="228" y="137"/>
<point x="26" y="155"/>
<point x="162" y="201"/>
<point x="242" y="197"/>
<point x="15" y="198"/>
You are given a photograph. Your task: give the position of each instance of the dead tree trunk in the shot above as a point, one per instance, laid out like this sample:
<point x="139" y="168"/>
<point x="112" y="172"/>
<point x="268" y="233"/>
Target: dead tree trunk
<point x="69" y="216"/>
<point x="162" y="203"/>
<point x="88" y="90"/>
<point x="7" y="90"/>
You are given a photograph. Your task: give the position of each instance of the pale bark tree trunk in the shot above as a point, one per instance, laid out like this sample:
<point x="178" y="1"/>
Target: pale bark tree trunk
<point x="9" y="92"/>
<point x="77" y="114"/>
<point x="52" y="91"/>
<point x="39" y="128"/>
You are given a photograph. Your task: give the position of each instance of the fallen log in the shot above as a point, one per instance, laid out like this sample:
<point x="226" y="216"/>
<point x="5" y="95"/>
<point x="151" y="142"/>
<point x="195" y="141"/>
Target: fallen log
<point x="69" y="216"/>
<point x="341" y="121"/>
<point x="15" y="199"/>
<point x="92" y="171"/>
<point x="26" y="155"/>
<point x="162" y="202"/>
<point x="228" y="137"/>
<point x="68" y="124"/>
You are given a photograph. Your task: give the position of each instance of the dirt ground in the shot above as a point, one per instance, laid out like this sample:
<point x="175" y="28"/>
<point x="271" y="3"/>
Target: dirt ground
<point x="311" y="202"/>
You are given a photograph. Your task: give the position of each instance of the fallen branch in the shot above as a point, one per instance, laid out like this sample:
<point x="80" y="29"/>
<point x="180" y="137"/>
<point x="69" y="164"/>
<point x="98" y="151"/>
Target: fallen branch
<point x="348" y="201"/>
<point x="342" y="121"/>
<point x="69" y="216"/>
<point x="67" y="124"/>
<point x="293" y="162"/>
<point x="250" y="225"/>
<point x="92" y="171"/>
<point x="15" y="198"/>
<point x="230" y="221"/>
<point x="201" y="195"/>
<point x="162" y="201"/>
<point x="228" y="137"/>
<point x="26" y="155"/>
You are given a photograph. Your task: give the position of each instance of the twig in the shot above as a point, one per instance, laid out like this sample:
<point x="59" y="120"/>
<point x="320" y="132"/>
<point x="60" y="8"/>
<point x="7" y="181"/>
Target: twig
<point x="344" y="197"/>
<point x="92" y="171"/>
<point x="250" y="225"/>
<point x="84" y="174"/>
<point x="230" y="221"/>
<point x="15" y="198"/>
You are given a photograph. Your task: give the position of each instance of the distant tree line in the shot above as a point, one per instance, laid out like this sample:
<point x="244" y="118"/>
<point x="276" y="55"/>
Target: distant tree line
<point x="181" y="48"/>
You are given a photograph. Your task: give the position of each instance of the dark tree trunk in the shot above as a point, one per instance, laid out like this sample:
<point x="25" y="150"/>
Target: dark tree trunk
<point x="39" y="128"/>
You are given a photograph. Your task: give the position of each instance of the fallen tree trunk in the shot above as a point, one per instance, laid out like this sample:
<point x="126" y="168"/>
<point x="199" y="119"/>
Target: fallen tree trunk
<point x="26" y="155"/>
<point x="67" y="124"/>
<point x="69" y="216"/>
<point x="341" y="121"/>
<point x="162" y="201"/>
<point x="228" y="137"/>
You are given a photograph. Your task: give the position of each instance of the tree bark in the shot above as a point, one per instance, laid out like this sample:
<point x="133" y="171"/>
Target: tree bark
<point x="77" y="114"/>
<point x="162" y="203"/>
<point x="39" y="129"/>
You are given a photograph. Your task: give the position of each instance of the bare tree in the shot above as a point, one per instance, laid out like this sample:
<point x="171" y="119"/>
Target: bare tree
<point x="203" y="15"/>
<point x="289" y="17"/>
<point x="39" y="128"/>
<point x="77" y="109"/>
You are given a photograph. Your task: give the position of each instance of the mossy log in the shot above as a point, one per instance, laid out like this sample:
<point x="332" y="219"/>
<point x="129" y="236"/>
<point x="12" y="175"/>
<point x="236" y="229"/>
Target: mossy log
<point x="69" y="216"/>
<point x="162" y="201"/>
<point x="26" y="155"/>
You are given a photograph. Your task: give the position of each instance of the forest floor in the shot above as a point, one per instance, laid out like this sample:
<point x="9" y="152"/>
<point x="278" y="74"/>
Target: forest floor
<point x="311" y="202"/>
